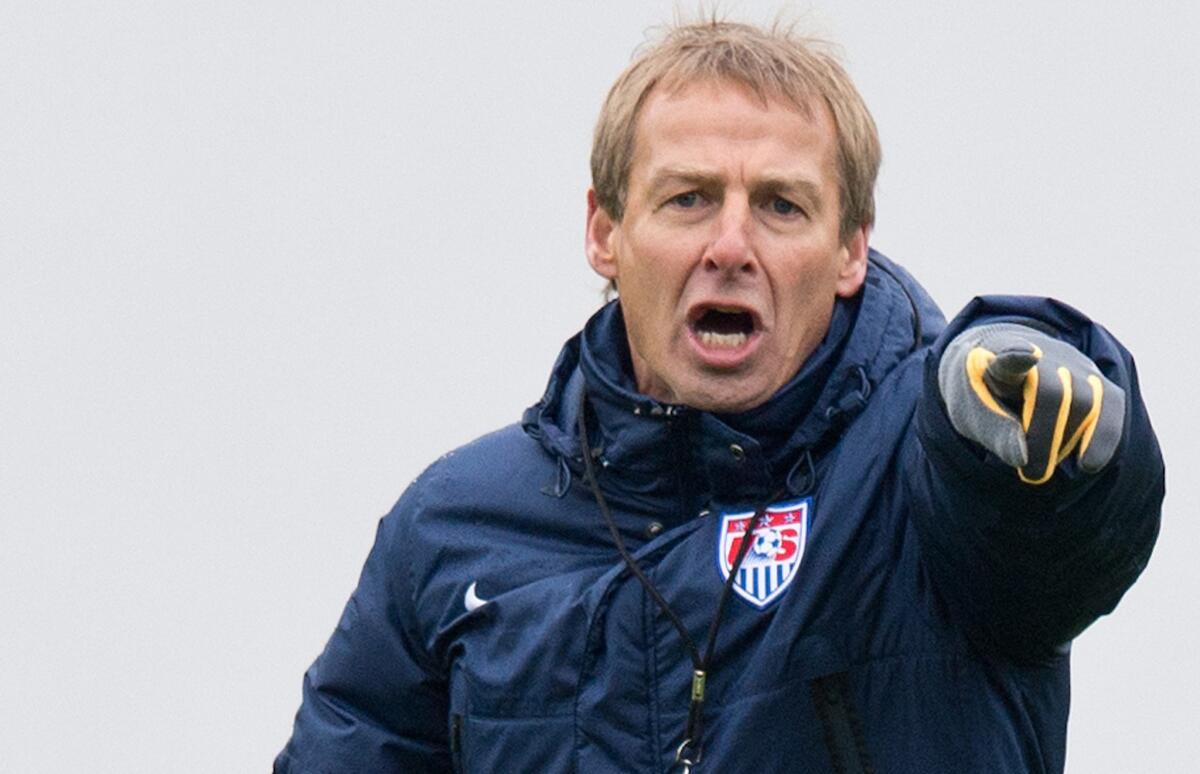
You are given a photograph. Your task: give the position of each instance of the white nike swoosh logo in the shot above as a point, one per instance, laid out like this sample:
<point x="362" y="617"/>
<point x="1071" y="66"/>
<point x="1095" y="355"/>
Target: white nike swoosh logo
<point x="471" y="600"/>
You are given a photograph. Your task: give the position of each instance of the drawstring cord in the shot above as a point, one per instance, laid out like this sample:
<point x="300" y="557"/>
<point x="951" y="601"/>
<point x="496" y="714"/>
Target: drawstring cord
<point x="688" y="754"/>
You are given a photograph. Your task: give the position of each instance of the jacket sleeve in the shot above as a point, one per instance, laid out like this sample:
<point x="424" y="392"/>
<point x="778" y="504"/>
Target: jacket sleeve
<point x="373" y="701"/>
<point x="1022" y="568"/>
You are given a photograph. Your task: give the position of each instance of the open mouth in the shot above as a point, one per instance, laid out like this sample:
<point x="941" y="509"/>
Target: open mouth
<point x="723" y="327"/>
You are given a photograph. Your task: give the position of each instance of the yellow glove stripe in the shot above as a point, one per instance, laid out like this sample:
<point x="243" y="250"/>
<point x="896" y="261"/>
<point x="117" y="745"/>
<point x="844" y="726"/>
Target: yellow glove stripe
<point x="1093" y="416"/>
<point x="1035" y="481"/>
<point x="1060" y="425"/>
<point x="1029" y="398"/>
<point x="978" y="360"/>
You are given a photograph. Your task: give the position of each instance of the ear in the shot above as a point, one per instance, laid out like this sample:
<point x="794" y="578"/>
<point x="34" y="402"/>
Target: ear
<point x="599" y="238"/>
<point x="853" y="269"/>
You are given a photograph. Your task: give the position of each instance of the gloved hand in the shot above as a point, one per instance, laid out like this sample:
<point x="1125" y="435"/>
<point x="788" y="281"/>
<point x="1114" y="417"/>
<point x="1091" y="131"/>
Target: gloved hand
<point x="1030" y="399"/>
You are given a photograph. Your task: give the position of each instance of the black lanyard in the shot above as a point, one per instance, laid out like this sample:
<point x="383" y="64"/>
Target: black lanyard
<point x="688" y="753"/>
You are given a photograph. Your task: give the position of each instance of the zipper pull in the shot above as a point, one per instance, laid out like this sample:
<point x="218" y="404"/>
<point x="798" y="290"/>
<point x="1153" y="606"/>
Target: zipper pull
<point x="688" y="754"/>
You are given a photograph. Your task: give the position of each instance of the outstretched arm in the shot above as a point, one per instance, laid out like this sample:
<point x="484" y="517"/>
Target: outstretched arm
<point x="1036" y="479"/>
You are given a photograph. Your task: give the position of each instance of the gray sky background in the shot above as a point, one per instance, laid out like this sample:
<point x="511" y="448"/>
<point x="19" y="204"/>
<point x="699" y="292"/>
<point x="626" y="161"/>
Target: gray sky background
<point x="261" y="262"/>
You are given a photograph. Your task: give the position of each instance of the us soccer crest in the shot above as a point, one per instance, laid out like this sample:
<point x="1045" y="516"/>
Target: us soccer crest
<point x="774" y="555"/>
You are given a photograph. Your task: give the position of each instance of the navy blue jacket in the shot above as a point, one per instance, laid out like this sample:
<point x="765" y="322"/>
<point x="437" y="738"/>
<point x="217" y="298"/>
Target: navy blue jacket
<point x="910" y="609"/>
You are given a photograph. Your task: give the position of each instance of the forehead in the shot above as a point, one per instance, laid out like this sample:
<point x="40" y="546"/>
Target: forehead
<point x="722" y="122"/>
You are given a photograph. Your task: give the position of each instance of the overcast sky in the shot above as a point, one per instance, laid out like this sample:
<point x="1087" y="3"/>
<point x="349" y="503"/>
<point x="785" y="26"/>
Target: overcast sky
<point x="260" y="263"/>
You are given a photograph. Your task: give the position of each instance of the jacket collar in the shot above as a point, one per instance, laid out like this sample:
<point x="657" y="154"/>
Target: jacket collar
<point x="675" y="459"/>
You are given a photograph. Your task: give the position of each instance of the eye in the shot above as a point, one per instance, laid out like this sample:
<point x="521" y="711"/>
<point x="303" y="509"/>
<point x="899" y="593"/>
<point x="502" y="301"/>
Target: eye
<point x="686" y="200"/>
<point x="781" y="206"/>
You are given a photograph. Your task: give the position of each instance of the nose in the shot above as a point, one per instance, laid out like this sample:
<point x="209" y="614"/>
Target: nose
<point x="730" y="251"/>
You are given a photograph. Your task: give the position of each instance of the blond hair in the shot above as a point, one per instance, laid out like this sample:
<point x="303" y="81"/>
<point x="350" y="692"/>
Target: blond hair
<point x="774" y="63"/>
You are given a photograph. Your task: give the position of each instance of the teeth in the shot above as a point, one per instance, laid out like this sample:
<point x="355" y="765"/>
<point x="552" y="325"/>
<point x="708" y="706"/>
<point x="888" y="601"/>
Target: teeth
<point x="722" y="340"/>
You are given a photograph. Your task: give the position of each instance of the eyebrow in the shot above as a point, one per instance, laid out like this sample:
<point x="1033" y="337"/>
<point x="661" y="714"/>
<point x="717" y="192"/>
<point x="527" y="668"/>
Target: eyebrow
<point x="689" y="175"/>
<point x="802" y="187"/>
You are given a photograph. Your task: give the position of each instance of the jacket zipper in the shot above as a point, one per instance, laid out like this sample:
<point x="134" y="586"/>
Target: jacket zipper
<point x="456" y="751"/>
<point x="843" y="729"/>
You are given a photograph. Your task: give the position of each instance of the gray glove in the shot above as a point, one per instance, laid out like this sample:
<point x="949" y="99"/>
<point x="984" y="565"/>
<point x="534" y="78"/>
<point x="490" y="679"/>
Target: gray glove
<point x="1031" y="400"/>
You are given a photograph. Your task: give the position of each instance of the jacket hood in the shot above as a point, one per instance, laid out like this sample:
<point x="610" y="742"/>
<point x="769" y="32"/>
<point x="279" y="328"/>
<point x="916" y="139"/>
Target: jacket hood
<point x="670" y="458"/>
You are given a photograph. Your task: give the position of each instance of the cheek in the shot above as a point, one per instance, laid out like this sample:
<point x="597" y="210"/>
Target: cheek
<point x="658" y="247"/>
<point x="654" y="271"/>
<point x="806" y="295"/>
<point x="647" y="319"/>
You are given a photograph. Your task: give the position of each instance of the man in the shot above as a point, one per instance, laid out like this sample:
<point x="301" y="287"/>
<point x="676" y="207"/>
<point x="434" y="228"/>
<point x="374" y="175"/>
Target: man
<point x="772" y="513"/>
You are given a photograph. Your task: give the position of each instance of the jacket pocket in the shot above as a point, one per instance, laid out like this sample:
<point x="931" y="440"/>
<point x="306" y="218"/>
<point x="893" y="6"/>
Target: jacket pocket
<point x="841" y="723"/>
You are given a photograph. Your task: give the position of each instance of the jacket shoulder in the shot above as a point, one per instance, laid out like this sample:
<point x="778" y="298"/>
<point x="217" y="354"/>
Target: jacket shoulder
<point x="504" y="465"/>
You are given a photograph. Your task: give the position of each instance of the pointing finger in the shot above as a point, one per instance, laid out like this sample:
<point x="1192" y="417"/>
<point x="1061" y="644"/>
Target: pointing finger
<point x="1011" y="365"/>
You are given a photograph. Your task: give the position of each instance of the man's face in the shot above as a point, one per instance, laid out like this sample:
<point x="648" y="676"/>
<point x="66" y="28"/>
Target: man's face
<point x="728" y="257"/>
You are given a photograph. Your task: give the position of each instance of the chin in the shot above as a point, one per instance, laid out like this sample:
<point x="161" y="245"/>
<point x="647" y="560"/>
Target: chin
<point x="724" y="399"/>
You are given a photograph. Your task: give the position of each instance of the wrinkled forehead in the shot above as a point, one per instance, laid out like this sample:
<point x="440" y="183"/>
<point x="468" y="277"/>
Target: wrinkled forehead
<point x="674" y="109"/>
<point x="675" y="86"/>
